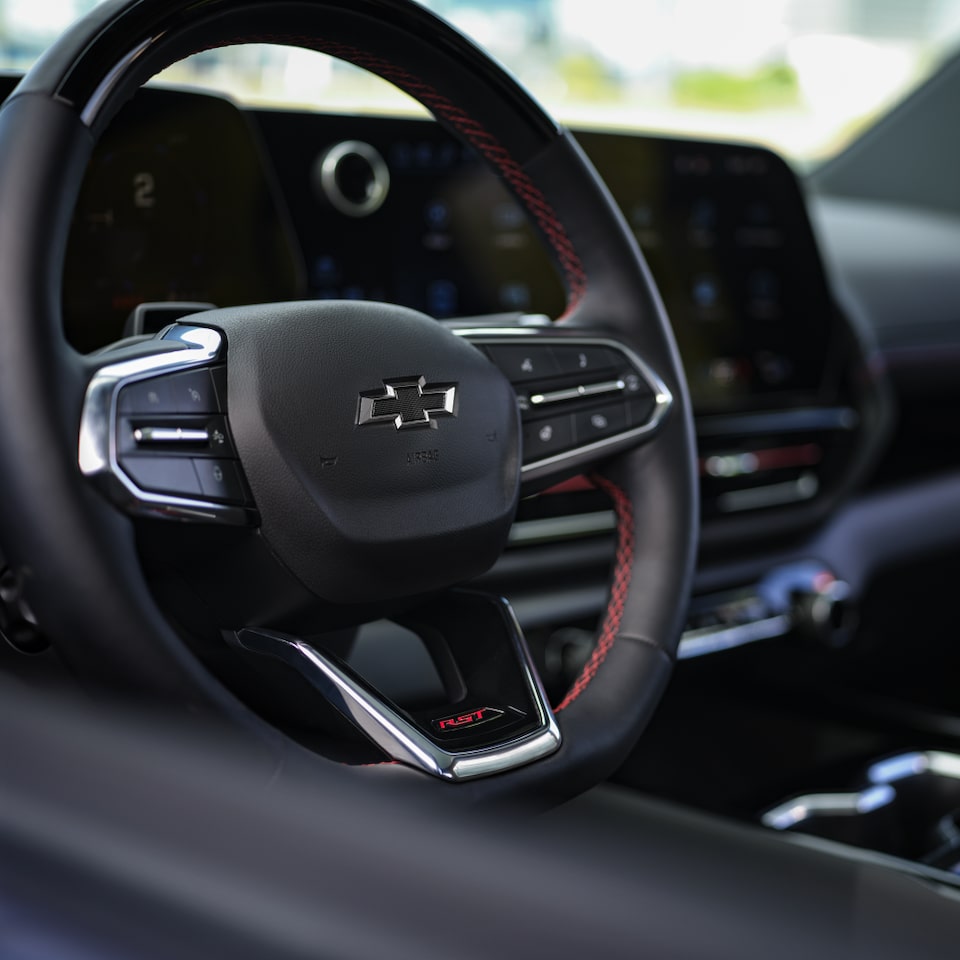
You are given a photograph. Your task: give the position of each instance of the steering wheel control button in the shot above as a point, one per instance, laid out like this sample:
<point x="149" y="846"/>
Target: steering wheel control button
<point x="173" y="475"/>
<point x="635" y="385"/>
<point x="194" y="392"/>
<point x="640" y="409"/>
<point x="147" y="396"/>
<point x="523" y="363"/>
<point x="601" y="422"/>
<point x="190" y="436"/>
<point x="220" y="480"/>
<point x="146" y="436"/>
<point x="221" y="443"/>
<point x="585" y="360"/>
<point x="543" y="438"/>
<point x="190" y="392"/>
<point x="582" y="392"/>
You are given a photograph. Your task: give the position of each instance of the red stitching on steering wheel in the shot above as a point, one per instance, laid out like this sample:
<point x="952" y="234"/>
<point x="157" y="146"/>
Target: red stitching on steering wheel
<point x="472" y="131"/>
<point x="618" y="590"/>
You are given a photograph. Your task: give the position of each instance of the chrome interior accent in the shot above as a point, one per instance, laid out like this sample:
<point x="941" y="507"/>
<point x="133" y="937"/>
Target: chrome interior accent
<point x="805" y="487"/>
<point x="148" y="435"/>
<point x="376" y="189"/>
<point x="699" y="643"/>
<point x="575" y="393"/>
<point x="800" y="809"/>
<point x="395" y="735"/>
<point x="905" y="765"/>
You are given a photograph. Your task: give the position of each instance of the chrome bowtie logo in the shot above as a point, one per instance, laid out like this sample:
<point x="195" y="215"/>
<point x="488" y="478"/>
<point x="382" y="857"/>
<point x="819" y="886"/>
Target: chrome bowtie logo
<point x="408" y="402"/>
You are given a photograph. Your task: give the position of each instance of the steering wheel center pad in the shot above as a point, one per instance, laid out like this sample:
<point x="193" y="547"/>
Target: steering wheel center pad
<point x="381" y="449"/>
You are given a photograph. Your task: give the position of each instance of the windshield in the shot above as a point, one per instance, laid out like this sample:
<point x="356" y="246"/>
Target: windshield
<point x="802" y="76"/>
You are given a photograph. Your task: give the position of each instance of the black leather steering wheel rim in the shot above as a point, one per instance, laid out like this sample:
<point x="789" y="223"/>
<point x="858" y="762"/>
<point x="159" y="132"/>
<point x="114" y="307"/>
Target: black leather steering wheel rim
<point x="76" y="555"/>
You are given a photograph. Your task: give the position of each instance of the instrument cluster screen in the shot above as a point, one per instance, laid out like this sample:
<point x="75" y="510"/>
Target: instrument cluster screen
<point x="176" y="205"/>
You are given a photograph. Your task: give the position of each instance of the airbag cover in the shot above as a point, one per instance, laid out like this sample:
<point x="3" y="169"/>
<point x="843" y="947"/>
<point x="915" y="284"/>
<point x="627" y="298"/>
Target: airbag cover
<point x="359" y="508"/>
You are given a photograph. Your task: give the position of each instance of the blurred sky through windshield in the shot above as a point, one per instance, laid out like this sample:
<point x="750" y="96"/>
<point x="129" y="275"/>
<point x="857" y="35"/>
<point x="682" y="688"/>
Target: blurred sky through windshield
<point x="803" y="76"/>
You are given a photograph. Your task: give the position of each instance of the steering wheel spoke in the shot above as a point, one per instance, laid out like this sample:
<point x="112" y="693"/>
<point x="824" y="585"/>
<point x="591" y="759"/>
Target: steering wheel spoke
<point x="582" y="396"/>
<point x="155" y="433"/>
<point x="496" y="717"/>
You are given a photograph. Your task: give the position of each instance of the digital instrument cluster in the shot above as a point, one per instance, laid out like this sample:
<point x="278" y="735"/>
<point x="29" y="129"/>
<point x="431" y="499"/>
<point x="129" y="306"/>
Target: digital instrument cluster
<point x="177" y="204"/>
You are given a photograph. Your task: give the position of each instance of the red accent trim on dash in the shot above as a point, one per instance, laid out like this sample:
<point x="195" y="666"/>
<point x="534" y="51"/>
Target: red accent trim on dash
<point x="472" y="131"/>
<point x="618" y="590"/>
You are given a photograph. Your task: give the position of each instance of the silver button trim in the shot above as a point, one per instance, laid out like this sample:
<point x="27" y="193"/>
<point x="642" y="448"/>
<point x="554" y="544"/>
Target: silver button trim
<point x="161" y="435"/>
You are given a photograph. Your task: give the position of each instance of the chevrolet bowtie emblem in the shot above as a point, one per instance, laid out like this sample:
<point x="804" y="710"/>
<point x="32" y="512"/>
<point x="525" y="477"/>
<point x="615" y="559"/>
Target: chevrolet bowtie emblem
<point x="408" y="402"/>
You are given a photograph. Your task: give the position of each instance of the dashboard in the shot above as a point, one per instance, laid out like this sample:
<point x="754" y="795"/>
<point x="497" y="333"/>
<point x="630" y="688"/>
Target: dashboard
<point x="188" y="198"/>
<point x="181" y="204"/>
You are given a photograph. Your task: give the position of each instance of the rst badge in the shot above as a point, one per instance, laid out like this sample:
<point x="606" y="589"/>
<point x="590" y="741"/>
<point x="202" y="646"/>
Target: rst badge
<point x="467" y="721"/>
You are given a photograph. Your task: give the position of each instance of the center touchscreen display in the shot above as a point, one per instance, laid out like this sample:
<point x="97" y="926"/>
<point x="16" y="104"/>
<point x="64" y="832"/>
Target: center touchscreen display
<point x="723" y="227"/>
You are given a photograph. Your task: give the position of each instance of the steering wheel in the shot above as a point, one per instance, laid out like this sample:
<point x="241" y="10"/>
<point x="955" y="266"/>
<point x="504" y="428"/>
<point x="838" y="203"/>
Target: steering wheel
<point x="200" y="515"/>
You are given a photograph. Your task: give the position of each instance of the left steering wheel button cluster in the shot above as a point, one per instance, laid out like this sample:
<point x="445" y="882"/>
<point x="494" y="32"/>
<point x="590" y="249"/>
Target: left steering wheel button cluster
<point x="173" y="437"/>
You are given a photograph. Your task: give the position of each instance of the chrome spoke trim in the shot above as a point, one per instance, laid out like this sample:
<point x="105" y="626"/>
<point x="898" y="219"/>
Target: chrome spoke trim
<point x="396" y="735"/>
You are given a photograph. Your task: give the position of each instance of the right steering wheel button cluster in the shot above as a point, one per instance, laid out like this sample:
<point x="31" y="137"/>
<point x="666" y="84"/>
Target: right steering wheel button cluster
<point x="576" y="396"/>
